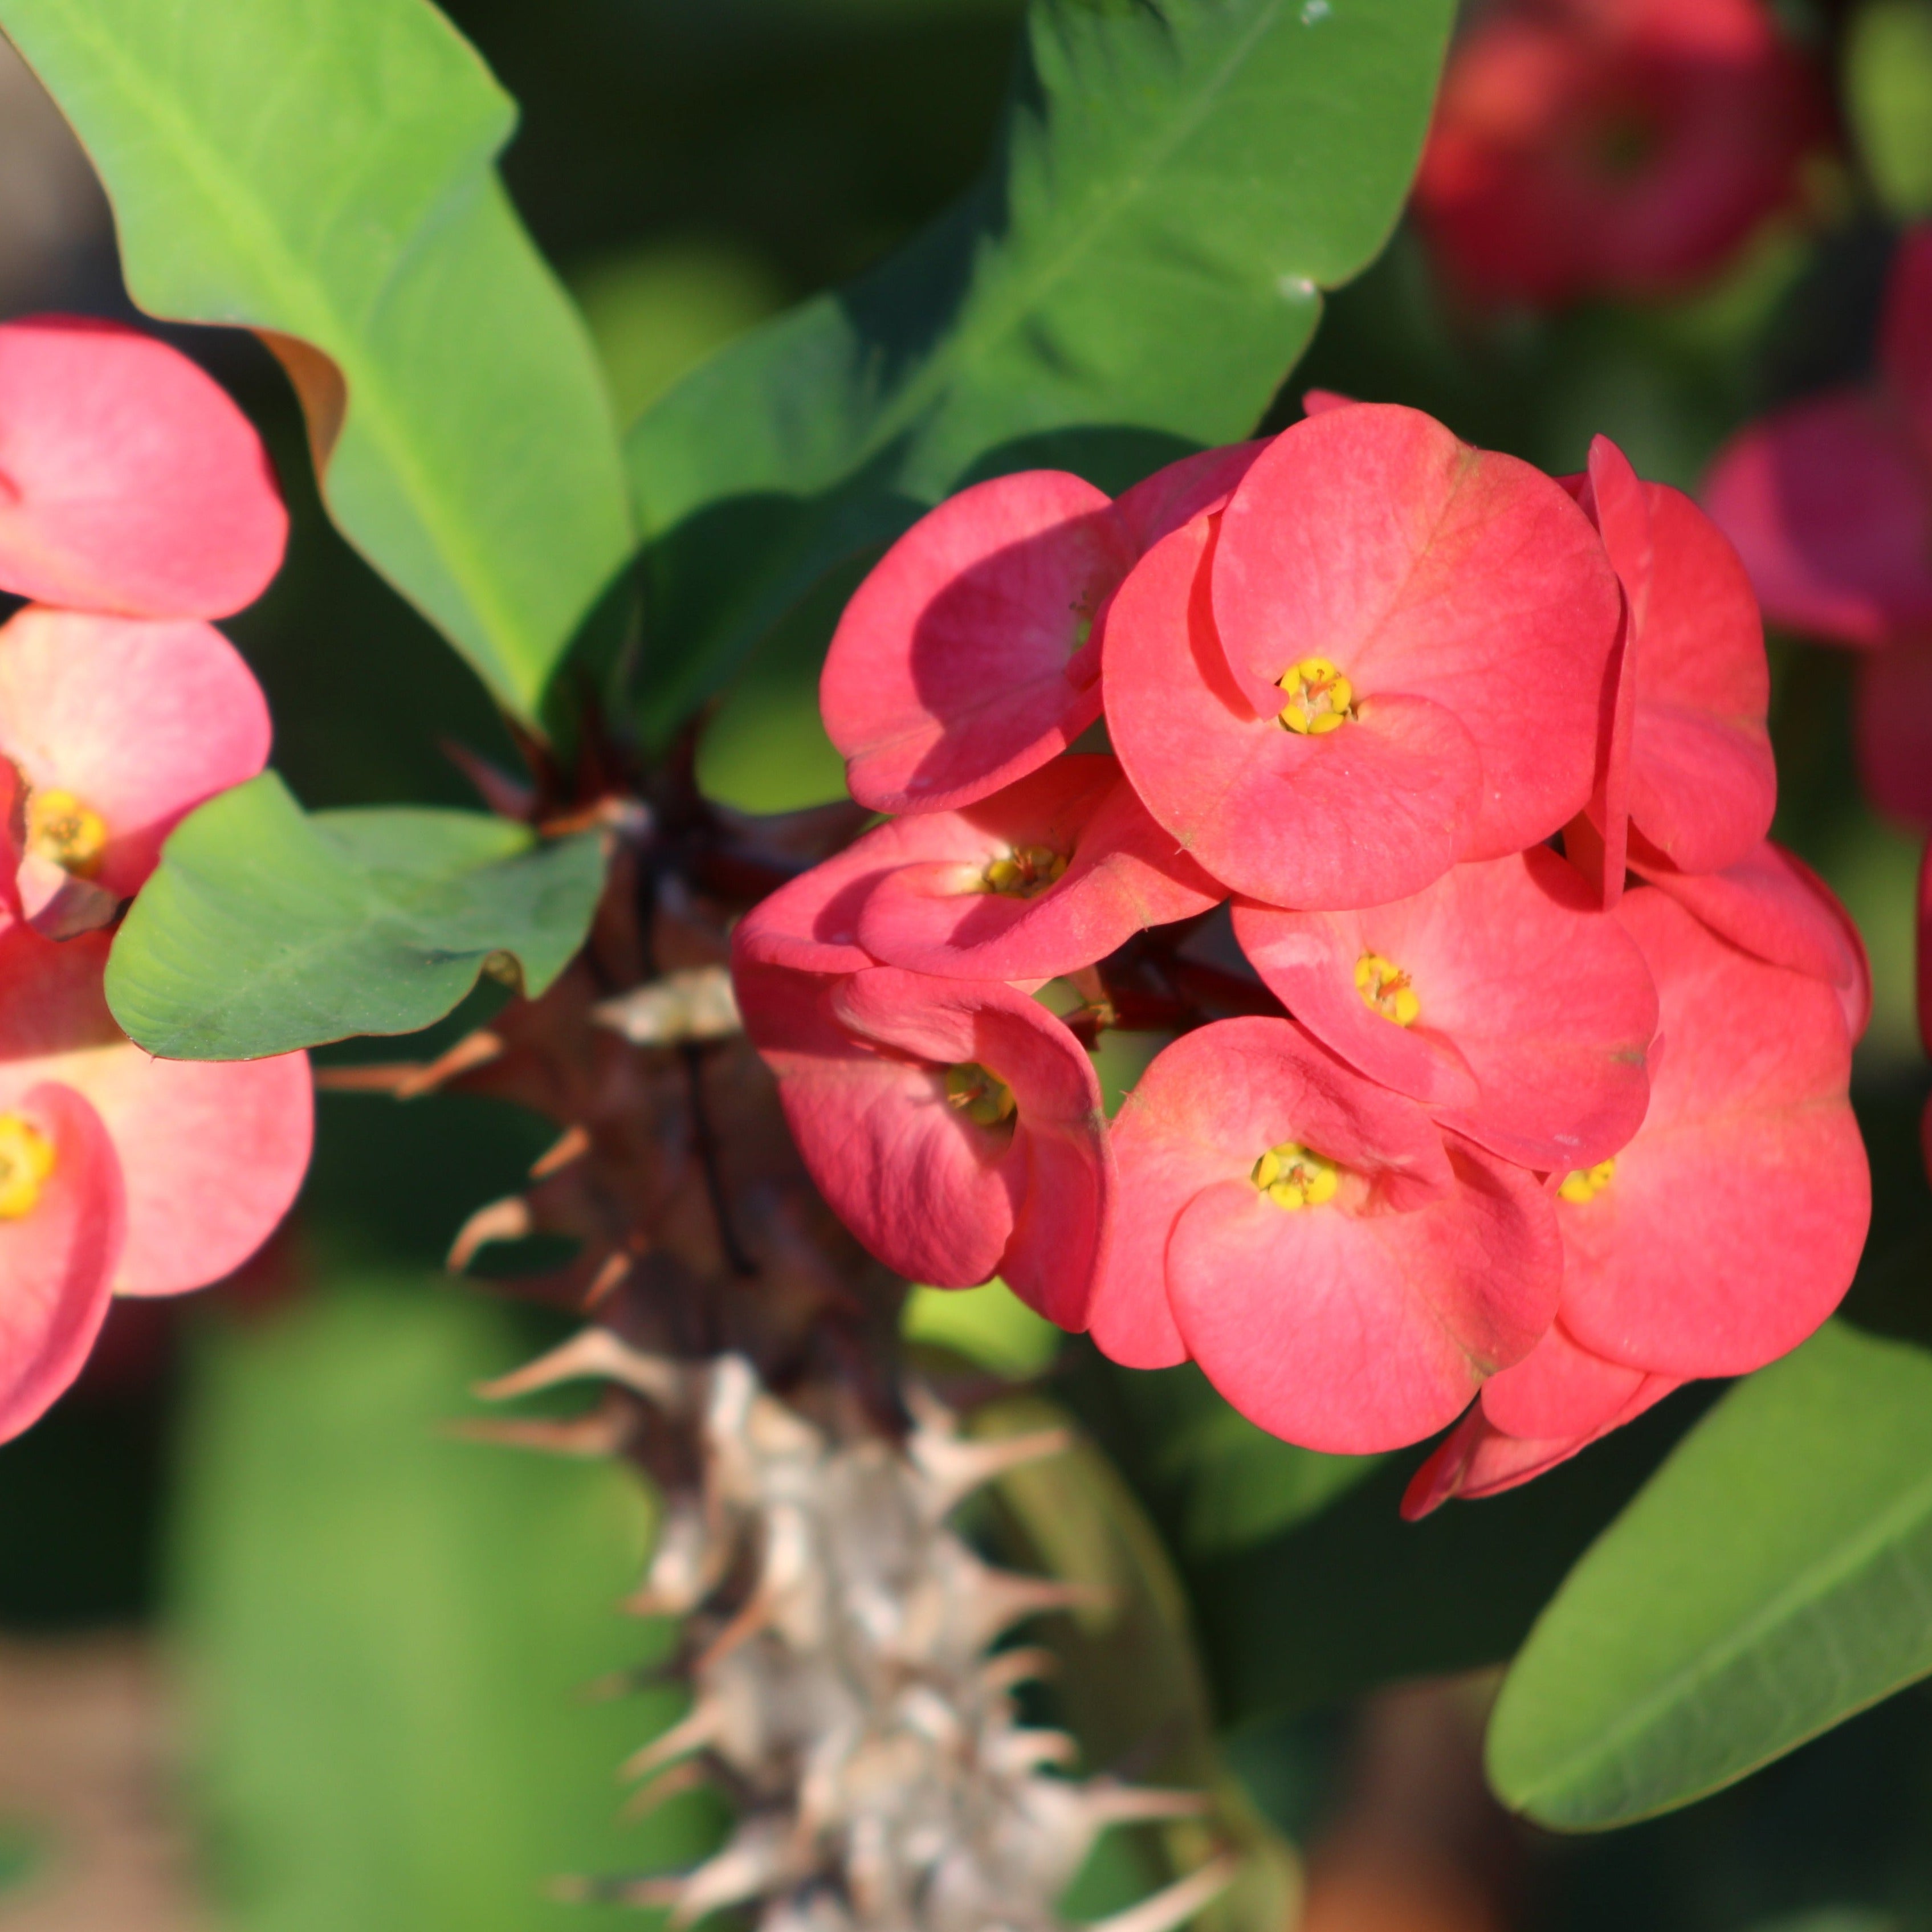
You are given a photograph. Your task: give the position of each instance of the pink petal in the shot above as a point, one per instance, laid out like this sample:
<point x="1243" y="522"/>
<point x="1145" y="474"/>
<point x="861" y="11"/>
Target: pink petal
<point x="1366" y="813"/>
<point x="211" y="1153"/>
<point x="1735" y="1218"/>
<point x="141" y="721"/>
<point x="1479" y="1459"/>
<point x="57" y="1258"/>
<point x="129" y="481"/>
<point x="1355" y="1332"/>
<point x="1536" y="1009"/>
<point x="959" y="664"/>
<point x="1427" y="570"/>
<point x="1612" y="497"/>
<point x="1773" y="906"/>
<point x="1891" y="723"/>
<point x="1159" y="505"/>
<point x="1829" y="502"/>
<point x="1124" y="875"/>
<point x="927" y="1191"/>
<point x="1558" y="1389"/>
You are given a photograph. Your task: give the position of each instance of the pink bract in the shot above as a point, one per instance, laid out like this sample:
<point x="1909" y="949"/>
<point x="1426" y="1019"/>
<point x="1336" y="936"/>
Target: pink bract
<point x="1773" y="906"/>
<point x="1463" y="598"/>
<point x="1360" y="1322"/>
<point x="876" y="1070"/>
<point x="1121" y="874"/>
<point x="1534" y="1009"/>
<point x="1611" y="147"/>
<point x="1689" y="760"/>
<point x="138" y="722"/>
<point x="970" y="655"/>
<point x="1677" y="1267"/>
<point x="129" y="482"/>
<point x="1891" y="723"/>
<point x="1829" y="500"/>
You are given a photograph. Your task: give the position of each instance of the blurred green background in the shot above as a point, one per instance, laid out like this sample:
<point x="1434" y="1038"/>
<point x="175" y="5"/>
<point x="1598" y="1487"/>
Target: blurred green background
<point x="377" y="1632"/>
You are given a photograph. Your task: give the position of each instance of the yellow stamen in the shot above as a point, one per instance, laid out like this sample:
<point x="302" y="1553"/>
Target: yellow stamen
<point x="1293" y="1177"/>
<point x="59" y="827"/>
<point x="1320" y="699"/>
<point x="1586" y="1183"/>
<point x="26" y="1159"/>
<point x="984" y="1098"/>
<point x="1385" y="989"/>
<point x="1026" y="872"/>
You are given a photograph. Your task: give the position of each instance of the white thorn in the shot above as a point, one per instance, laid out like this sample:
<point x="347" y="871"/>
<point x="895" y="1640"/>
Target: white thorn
<point x="956" y="1467"/>
<point x="746" y="1867"/>
<point x="1106" y="1803"/>
<point x="1174" y="1906"/>
<point x="695" y="1002"/>
<point x="1010" y="1668"/>
<point x="693" y="1732"/>
<point x="595" y="1352"/>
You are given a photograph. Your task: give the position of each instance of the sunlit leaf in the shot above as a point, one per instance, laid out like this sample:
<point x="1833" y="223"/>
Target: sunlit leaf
<point x="324" y="174"/>
<point x="265" y="929"/>
<point x="1775" y="1576"/>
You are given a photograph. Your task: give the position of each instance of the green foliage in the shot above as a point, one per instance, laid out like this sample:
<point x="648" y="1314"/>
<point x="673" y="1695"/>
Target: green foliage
<point x="1771" y="1578"/>
<point x="1134" y="273"/>
<point x="388" y="1632"/>
<point x="989" y="1325"/>
<point x="265" y="929"/>
<point x="323" y="174"/>
<point x="1888" y="97"/>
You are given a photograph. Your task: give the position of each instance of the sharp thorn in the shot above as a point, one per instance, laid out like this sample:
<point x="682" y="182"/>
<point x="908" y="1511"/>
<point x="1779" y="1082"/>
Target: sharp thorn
<point x="591" y="1437"/>
<point x="508" y="1219"/>
<point x="1010" y="1668"/>
<point x="474" y="1050"/>
<point x="613" y="1271"/>
<point x="1174" y="1906"/>
<point x="692" y="1732"/>
<point x="572" y="1145"/>
<point x="956" y="1467"/>
<point x="379" y="1076"/>
<point x="595" y="1352"/>
<point x="688" y="1776"/>
<point x="1106" y="1803"/>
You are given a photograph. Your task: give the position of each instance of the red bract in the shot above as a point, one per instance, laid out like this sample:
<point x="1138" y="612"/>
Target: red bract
<point x="1500" y="996"/>
<point x="1387" y="656"/>
<point x="1345" y="1274"/>
<point x="1829" y="501"/>
<point x="954" y="1126"/>
<point x="119" y="1173"/>
<point x="1611" y="147"/>
<point x="970" y="655"/>
<point x="115" y="729"/>
<point x="1688" y="761"/>
<point x="129" y="481"/>
<point x="1042" y="878"/>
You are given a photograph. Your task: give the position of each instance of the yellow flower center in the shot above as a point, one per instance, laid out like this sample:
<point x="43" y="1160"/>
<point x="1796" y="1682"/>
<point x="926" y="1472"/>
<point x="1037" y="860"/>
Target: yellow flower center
<point x="1320" y="699"/>
<point x="1586" y="1183"/>
<point x="26" y="1159"/>
<point x="1385" y="989"/>
<point x="61" y="828"/>
<point x="1025" y="872"/>
<point x="984" y="1098"/>
<point x="1293" y="1177"/>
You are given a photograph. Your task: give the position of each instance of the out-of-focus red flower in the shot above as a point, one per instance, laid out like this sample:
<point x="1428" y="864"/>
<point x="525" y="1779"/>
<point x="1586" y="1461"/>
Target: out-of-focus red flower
<point x="954" y="1125"/>
<point x="1829" y="500"/>
<point x="1387" y="655"/>
<point x="1716" y="1241"/>
<point x="971" y="654"/>
<point x="1619" y="148"/>
<point x="119" y="1174"/>
<point x="1500" y="996"/>
<point x="1344" y="1272"/>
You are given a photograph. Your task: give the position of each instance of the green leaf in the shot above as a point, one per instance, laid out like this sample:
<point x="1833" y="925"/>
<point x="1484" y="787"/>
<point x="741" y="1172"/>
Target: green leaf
<point x="265" y="929"/>
<point x="388" y="1633"/>
<point x="1889" y="97"/>
<point x="324" y="174"/>
<point x="1774" y="1577"/>
<point x="1134" y="274"/>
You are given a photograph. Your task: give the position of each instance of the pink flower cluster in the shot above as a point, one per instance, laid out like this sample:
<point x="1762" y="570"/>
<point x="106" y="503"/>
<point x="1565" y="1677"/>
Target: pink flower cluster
<point x="136" y="503"/>
<point x="1620" y="148"/>
<point x="1485" y="1130"/>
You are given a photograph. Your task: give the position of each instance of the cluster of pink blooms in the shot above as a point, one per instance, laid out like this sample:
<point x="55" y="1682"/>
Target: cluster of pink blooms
<point x="1496" y="1132"/>
<point x="1621" y="147"/>
<point x="136" y="503"/>
<point x="1829" y="502"/>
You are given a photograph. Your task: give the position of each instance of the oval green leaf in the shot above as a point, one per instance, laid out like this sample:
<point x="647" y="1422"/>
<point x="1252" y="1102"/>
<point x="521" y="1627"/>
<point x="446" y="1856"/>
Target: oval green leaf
<point x="1134" y="275"/>
<point x="1774" y="1577"/>
<point x="265" y="929"/>
<point x="324" y="175"/>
